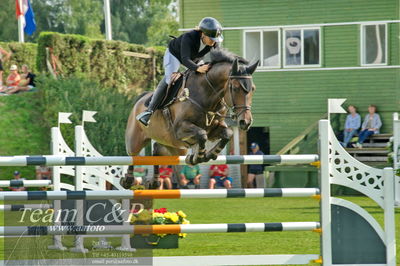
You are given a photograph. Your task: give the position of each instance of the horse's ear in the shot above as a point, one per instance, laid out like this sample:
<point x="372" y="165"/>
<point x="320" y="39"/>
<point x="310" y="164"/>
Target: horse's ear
<point x="235" y="67"/>
<point x="250" y="69"/>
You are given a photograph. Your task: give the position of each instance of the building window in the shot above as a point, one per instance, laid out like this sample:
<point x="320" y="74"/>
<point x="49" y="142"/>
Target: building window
<point x="263" y="46"/>
<point x="374" y="44"/>
<point x="302" y="47"/>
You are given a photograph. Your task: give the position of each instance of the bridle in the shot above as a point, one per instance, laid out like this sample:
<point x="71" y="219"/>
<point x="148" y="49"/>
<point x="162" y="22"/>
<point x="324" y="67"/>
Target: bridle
<point x="217" y="93"/>
<point x="235" y="107"/>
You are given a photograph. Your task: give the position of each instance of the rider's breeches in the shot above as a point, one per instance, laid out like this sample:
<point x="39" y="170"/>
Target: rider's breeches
<point x="171" y="64"/>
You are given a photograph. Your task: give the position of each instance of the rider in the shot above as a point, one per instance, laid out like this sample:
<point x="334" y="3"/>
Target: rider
<point x="183" y="50"/>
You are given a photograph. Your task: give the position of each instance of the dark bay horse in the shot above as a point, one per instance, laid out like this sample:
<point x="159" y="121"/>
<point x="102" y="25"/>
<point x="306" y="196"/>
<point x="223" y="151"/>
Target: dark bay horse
<point x="198" y="115"/>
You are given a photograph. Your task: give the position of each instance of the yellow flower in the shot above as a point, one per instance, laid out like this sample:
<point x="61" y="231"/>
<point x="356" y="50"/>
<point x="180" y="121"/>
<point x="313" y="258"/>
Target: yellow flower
<point x="157" y="215"/>
<point x="162" y="235"/>
<point x="183" y="235"/>
<point x="132" y="218"/>
<point x="184" y="221"/>
<point x="145" y="215"/>
<point x="182" y="214"/>
<point x="167" y="215"/>
<point x="174" y="217"/>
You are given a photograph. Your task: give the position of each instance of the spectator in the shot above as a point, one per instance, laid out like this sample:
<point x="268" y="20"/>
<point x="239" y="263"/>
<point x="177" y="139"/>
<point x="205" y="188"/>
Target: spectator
<point x="371" y="125"/>
<point x="139" y="173"/>
<point x="255" y="171"/>
<point x="165" y="177"/>
<point x="219" y="176"/>
<point x="27" y="81"/>
<point x="351" y="126"/>
<point x="12" y="80"/>
<point x="43" y="172"/>
<point x="190" y="174"/>
<point x="2" y="60"/>
<point x="17" y="176"/>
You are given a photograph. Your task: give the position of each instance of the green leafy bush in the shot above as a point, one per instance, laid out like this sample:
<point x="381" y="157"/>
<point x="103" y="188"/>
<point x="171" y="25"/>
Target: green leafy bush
<point x="78" y="93"/>
<point x="129" y="67"/>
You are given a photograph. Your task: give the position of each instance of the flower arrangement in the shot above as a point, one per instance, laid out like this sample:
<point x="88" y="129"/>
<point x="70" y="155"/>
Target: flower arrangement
<point x="160" y="216"/>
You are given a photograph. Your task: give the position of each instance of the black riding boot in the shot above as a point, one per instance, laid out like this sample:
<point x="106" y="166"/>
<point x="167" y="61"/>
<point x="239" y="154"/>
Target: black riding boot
<point x="155" y="102"/>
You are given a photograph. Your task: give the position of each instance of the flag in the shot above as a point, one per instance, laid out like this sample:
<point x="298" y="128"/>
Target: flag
<point x="63" y="118"/>
<point x="334" y="106"/>
<point x="88" y="116"/>
<point x="28" y="17"/>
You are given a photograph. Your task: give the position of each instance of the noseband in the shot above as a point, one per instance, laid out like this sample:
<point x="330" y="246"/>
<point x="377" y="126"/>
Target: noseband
<point x="235" y="107"/>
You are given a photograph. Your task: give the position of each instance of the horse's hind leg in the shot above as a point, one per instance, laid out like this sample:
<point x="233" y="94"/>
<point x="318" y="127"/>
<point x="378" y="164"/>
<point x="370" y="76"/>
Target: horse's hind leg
<point x="135" y="141"/>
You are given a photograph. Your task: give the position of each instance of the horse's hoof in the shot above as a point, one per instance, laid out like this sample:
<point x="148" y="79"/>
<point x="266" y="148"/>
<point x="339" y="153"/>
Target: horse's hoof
<point x="127" y="181"/>
<point x="190" y="159"/>
<point x="155" y="184"/>
<point x="211" y="156"/>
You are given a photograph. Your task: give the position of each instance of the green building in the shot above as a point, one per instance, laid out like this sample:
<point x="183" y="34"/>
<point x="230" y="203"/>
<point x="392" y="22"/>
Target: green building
<point x="309" y="51"/>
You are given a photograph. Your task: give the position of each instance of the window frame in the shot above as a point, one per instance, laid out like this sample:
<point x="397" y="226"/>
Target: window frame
<point x="302" y="65"/>
<point x="261" y="32"/>
<point x="363" y="45"/>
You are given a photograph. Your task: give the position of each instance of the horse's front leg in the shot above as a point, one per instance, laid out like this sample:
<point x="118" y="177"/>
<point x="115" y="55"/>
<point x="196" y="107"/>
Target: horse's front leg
<point x="192" y="134"/>
<point x="224" y="134"/>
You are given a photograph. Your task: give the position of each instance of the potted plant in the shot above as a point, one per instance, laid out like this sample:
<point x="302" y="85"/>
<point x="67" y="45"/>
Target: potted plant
<point x="157" y="216"/>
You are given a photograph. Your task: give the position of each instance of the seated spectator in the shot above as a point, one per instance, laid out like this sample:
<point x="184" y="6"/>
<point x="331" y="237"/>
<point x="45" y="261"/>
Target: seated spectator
<point x="219" y="176"/>
<point x="165" y="177"/>
<point x="351" y="126"/>
<point x="17" y="176"/>
<point x="139" y="173"/>
<point x="4" y="55"/>
<point x="255" y="171"/>
<point x="12" y="80"/>
<point x="190" y="174"/>
<point x="371" y="125"/>
<point x="27" y="81"/>
<point x="43" y="172"/>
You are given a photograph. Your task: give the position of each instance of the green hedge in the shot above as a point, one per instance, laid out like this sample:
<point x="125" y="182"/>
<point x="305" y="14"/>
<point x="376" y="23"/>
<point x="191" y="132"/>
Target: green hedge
<point x="76" y="94"/>
<point x="22" y="53"/>
<point x="101" y="60"/>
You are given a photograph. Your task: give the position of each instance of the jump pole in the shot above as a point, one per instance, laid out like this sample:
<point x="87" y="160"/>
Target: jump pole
<point x="25" y="183"/>
<point x="52" y="160"/>
<point x="159" y="229"/>
<point x="160" y="194"/>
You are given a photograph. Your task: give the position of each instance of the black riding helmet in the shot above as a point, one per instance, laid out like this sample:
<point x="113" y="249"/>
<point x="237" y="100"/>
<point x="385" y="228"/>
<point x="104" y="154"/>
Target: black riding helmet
<point x="211" y="28"/>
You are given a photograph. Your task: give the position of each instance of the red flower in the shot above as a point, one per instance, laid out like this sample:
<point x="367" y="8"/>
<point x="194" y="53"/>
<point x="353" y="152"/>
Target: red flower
<point x="161" y="210"/>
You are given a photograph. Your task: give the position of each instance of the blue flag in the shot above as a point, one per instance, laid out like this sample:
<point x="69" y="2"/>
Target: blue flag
<point x="30" y="24"/>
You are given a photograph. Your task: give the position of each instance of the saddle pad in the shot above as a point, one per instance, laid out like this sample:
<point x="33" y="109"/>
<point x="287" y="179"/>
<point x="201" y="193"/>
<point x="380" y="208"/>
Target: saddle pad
<point x="172" y="91"/>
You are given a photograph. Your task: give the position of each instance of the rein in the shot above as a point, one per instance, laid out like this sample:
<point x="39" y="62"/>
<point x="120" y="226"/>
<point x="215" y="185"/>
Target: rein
<point x="237" y="109"/>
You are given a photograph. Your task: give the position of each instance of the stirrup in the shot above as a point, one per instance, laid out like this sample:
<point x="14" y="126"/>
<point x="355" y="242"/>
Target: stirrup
<point x="144" y="117"/>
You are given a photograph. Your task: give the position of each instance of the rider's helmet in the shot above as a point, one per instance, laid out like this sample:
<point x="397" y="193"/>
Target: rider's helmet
<point x="211" y="28"/>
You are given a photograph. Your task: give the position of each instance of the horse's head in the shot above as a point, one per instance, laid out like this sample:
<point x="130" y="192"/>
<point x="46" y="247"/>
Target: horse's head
<point x="240" y="93"/>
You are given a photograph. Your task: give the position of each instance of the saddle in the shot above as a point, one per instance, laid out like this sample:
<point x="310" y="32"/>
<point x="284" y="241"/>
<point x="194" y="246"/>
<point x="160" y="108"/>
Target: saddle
<point x="177" y="82"/>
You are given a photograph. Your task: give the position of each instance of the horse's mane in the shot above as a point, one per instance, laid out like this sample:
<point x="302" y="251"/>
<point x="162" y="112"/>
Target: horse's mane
<point x="221" y="55"/>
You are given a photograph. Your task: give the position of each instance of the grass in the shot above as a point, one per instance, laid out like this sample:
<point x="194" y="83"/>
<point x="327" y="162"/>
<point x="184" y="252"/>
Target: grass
<point x="219" y="211"/>
<point x="22" y="131"/>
